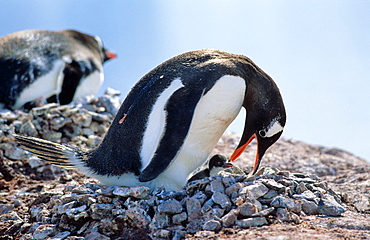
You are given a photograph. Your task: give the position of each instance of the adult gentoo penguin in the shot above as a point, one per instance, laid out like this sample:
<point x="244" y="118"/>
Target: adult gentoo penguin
<point x="172" y="119"/>
<point x="58" y="66"/>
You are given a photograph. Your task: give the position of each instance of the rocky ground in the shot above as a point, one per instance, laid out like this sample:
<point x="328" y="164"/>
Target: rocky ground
<point x="301" y="192"/>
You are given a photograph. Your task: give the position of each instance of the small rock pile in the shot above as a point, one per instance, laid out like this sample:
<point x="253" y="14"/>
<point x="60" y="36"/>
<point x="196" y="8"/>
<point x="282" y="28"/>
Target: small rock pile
<point x="72" y="207"/>
<point x="83" y="123"/>
<point x="210" y="204"/>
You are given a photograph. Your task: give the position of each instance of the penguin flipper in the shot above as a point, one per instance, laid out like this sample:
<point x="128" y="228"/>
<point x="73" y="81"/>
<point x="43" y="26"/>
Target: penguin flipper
<point x="180" y="109"/>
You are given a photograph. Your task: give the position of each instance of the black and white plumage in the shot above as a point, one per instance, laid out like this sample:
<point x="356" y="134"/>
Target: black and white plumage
<point x="216" y="164"/>
<point x="58" y="66"/>
<point x="172" y="119"/>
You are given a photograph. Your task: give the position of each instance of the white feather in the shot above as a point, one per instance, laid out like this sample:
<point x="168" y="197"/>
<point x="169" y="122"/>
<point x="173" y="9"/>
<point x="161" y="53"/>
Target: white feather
<point x="44" y="86"/>
<point x="156" y="123"/>
<point x="89" y="85"/>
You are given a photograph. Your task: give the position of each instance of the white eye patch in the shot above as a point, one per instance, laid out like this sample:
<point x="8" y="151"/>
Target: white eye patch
<point x="272" y="129"/>
<point x="99" y="41"/>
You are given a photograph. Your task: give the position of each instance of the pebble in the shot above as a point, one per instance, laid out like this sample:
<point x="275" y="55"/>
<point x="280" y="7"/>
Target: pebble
<point x="248" y="209"/>
<point x="5" y="208"/>
<point x="179" y="218"/>
<point x="171" y="206"/>
<point x="280" y="201"/>
<point x="212" y="225"/>
<point x="252" y="222"/>
<point x="330" y="208"/>
<point x="136" y="192"/>
<point x="222" y="200"/>
<point x="229" y="219"/>
<point x="44" y="231"/>
<point x="254" y="191"/>
<point x="193" y="208"/>
<point x="309" y="207"/>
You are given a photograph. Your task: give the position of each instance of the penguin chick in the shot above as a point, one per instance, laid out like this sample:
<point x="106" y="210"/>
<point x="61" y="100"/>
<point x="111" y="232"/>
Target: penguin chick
<point x="216" y="164"/>
<point x="59" y="66"/>
<point x="172" y="119"/>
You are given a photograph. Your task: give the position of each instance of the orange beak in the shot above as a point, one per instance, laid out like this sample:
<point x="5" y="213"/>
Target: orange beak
<point x="236" y="154"/>
<point x="110" y="55"/>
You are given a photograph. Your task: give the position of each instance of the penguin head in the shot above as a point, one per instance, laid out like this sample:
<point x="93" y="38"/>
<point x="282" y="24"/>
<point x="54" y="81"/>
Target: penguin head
<point x="218" y="163"/>
<point x="94" y="44"/>
<point x="218" y="160"/>
<point x="104" y="53"/>
<point x="265" y="119"/>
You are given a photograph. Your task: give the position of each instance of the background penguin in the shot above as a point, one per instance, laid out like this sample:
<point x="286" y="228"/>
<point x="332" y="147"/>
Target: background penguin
<point x="172" y="118"/>
<point x="216" y="164"/>
<point x="58" y="66"/>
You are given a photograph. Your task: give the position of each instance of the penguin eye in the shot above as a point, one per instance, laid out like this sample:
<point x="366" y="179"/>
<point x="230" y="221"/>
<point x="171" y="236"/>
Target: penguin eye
<point x="262" y="133"/>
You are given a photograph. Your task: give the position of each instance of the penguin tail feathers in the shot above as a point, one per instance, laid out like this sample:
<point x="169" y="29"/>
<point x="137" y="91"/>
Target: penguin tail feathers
<point x="57" y="154"/>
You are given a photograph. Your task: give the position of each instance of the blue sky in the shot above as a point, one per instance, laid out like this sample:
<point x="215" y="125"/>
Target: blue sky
<point x="318" y="52"/>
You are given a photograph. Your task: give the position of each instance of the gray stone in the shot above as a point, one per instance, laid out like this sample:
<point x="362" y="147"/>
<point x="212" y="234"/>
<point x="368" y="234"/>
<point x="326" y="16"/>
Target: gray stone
<point x="96" y="235"/>
<point x="162" y="234"/>
<point x="61" y="235"/>
<point x="222" y="200"/>
<point x="200" y="196"/>
<point x="361" y="203"/>
<point x="229" y="219"/>
<point x="44" y="231"/>
<point x="251" y="222"/>
<point x="28" y="129"/>
<point x="82" y="190"/>
<point x="160" y="220"/>
<point x="228" y="181"/>
<point x="140" y="192"/>
<point x="284" y="202"/>
<point x="171" y="206"/>
<point x="270" y="194"/>
<point x="272" y="184"/>
<point x="35" y="162"/>
<point x="264" y="213"/>
<point x="77" y="213"/>
<point x="217" y="186"/>
<point x="179" y="218"/>
<point x="93" y="141"/>
<point x="13" y="153"/>
<point x="309" y="207"/>
<point x="330" y="208"/>
<point x="100" y="117"/>
<point x="300" y="188"/>
<point x="193" y="208"/>
<point x="178" y="235"/>
<point x="283" y="215"/>
<point x="247" y="209"/>
<point x="100" y="210"/>
<point x="308" y="195"/>
<point x="233" y="189"/>
<point x="87" y="131"/>
<point x="61" y="209"/>
<point x="323" y="185"/>
<point x="212" y="225"/>
<point x="5" y="208"/>
<point x="254" y="191"/>
<point x="208" y="205"/>
<point x="139" y="218"/>
<point x="214" y="213"/>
